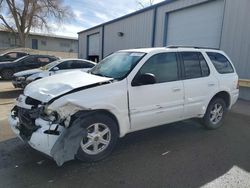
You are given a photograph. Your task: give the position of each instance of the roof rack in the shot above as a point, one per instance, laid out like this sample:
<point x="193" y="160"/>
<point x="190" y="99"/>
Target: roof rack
<point x="195" y="47"/>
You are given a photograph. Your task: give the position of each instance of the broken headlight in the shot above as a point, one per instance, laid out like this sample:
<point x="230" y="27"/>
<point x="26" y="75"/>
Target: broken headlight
<point x="47" y="110"/>
<point x="51" y="115"/>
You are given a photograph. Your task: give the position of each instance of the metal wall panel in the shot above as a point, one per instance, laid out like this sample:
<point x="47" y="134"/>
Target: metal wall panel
<point x="199" y="25"/>
<point x="236" y="35"/>
<point x="235" y="39"/>
<point x="161" y="13"/>
<point x="137" y="32"/>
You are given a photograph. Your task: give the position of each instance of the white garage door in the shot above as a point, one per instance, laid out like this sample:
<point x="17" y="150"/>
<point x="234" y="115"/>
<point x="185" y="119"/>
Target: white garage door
<point x="198" y="26"/>
<point x="94" y="45"/>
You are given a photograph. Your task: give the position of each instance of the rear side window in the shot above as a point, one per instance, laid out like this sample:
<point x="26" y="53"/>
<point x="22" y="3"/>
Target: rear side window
<point x="195" y="66"/>
<point x="85" y="64"/>
<point x="43" y="59"/>
<point x="204" y="67"/>
<point x="220" y="62"/>
<point x="12" y="55"/>
<point x="65" y="65"/>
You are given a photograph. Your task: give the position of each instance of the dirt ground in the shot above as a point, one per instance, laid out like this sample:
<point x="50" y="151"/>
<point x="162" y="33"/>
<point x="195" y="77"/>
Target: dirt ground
<point x="182" y="154"/>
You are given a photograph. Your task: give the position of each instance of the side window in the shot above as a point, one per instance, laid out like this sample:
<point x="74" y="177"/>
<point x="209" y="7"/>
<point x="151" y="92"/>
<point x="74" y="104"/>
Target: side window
<point x="31" y="60"/>
<point x="204" y="67"/>
<point x="86" y="64"/>
<point x="43" y="60"/>
<point x="220" y="62"/>
<point x="78" y="65"/>
<point x="20" y="55"/>
<point x="192" y="68"/>
<point x="163" y="66"/>
<point x="65" y="65"/>
<point x="12" y="55"/>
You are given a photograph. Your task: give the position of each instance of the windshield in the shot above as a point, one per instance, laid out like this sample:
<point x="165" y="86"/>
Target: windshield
<point x="50" y="65"/>
<point x="117" y="65"/>
<point x="21" y="58"/>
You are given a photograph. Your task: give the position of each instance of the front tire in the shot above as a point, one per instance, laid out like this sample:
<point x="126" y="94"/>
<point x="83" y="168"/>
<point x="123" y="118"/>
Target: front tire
<point x="215" y="114"/>
<point x="102" y="135"/>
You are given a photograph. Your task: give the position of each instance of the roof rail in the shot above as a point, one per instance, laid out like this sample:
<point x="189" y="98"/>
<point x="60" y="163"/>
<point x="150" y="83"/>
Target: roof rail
<point x="195" y="47"/>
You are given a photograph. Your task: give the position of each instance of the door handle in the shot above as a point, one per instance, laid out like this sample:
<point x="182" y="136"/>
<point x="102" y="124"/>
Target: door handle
<point x="176" y="89"/>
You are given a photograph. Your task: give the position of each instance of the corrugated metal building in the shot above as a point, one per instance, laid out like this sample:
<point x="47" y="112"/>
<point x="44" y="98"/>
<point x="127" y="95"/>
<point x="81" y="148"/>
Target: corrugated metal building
<point x="220" y="24"/>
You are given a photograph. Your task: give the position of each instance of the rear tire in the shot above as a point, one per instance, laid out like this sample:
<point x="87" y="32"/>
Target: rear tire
<point x="7" y="74"/>
<point x="102" y="135"/>
<point x="215" y="114"/>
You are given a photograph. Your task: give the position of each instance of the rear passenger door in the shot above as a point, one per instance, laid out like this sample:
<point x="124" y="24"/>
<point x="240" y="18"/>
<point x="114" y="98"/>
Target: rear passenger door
<point x="199" y="83"/>
<point x="159" y="103"/>
<point x="30" y="63"/>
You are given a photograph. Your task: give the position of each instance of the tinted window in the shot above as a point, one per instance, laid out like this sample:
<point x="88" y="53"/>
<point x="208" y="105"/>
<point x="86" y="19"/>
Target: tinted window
<point x="20" y="55"/>
<point x="82" y="65"/>
<point x="12" y="55"/>
<point x="204" y="67"/>
<point x="220" y="62"/>
<point x="65" y="65"/>
<point x="163" y="66"/>
<point x="30" y="60"/>
<point x="43" y="59"/>
<point x="192" y="68"/>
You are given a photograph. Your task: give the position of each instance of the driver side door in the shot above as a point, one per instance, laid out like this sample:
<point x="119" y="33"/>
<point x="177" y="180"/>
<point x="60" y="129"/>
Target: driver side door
<point x="159" y="103"/>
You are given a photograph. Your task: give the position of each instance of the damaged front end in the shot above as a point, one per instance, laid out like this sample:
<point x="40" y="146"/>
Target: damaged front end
<point x="45" y="129"/>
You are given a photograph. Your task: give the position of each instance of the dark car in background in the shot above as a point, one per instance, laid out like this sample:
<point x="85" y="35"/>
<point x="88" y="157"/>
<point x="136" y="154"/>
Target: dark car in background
<point x="11" y="56"/>
<point x="8" y="68"/>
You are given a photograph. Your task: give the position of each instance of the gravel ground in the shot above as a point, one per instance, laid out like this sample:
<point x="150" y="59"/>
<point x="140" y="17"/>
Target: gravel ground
<point x="182" y="154"/>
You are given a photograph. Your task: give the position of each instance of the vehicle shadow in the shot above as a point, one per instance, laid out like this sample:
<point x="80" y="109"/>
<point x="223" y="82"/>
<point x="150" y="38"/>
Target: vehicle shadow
<point x="182" y="154"/>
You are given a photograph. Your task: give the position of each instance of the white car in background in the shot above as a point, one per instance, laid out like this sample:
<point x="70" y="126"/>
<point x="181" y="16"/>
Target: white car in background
<point x="78" y="114"/>
<point x="23" y="78"/>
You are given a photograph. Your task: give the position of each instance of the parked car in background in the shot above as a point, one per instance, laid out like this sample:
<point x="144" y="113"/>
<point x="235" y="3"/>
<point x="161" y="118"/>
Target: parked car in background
<point x="78" y="114"/>
<point x="11" y="56"/>
<point x="8" y="68"/>
<point x="23" y="78"/>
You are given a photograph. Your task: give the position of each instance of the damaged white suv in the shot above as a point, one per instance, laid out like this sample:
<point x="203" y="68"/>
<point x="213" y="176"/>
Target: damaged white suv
<point x="78" y="114"/>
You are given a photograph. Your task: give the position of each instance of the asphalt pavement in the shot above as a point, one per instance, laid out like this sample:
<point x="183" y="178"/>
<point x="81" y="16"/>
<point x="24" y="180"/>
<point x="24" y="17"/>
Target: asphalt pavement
<point x="182" y="154"/>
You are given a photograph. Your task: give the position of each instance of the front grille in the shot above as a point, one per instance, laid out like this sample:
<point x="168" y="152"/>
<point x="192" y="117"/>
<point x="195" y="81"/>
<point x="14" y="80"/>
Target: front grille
<point x="27" y="122"/>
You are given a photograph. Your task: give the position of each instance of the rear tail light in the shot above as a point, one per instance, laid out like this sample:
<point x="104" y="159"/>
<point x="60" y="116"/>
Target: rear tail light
<point x="238" y="84"/>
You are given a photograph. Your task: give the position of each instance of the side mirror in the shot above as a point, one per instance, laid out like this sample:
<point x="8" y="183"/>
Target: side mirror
<point x="55" y="69"/>
<point x="144" y="79"/>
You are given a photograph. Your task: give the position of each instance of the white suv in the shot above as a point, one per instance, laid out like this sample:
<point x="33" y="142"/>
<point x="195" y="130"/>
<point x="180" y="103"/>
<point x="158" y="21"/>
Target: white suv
<point x="78" y="114"/>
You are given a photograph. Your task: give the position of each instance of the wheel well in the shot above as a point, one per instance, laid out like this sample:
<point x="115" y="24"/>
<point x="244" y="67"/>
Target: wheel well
<point x="225" y="96"/>
<point x="90" y="112"/>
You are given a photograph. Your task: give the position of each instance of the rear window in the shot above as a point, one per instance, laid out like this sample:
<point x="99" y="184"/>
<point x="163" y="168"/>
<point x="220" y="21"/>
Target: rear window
<point x="220" y="62"/>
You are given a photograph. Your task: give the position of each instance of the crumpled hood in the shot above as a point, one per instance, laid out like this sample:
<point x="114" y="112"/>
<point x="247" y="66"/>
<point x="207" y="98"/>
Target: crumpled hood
<point x="47" y="88"/>
<point x="27" y="72"/>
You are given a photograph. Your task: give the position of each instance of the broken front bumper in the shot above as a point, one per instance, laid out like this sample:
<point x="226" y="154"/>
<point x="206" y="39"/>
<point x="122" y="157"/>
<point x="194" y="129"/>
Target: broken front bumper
<point x="42" y="136"/>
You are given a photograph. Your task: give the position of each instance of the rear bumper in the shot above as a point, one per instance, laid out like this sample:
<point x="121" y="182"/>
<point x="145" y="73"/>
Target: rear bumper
<point x="234" y="97"/>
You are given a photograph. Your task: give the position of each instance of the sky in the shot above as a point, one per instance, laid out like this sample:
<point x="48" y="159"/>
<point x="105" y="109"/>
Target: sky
<point x="89" y="13"/>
